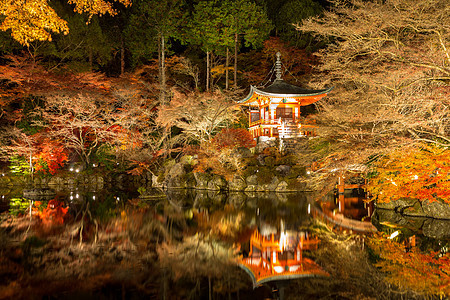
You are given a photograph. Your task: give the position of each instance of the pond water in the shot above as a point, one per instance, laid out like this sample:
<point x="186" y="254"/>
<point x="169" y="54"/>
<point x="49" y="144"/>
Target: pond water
<point x="188" y="244"/>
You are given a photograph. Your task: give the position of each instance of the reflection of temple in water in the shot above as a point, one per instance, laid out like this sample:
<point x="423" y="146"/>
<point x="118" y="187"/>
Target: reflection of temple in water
<point x="348" y="209"/>
<point x="279" y="256"/>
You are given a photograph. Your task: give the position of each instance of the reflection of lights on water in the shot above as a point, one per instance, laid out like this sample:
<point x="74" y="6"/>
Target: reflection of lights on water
<point x="71" y="197"/>
<point x="283" y="241"/>
<point x="93" y="197"/>
<point x="309" y="208"/>
<point x="257" y="212"/>
<point x="71" y="169"/>
<point x="77" y="170"/>
<point x="3" y="196"/>
<point x="278" y="269"/>
<point x="117" y="198"/>
<point x="76" y="196"/>
<point x="393" y="235"/>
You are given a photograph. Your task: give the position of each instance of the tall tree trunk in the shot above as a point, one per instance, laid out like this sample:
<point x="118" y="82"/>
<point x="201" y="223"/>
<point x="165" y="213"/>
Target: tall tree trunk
<point x="207" y="70"/>
<point x="90" y="58"/>
<point x="226" y="68"/>
<point x="162" y="64"/>
<point x="122" y="56"/>
<point x="235" y="58"/>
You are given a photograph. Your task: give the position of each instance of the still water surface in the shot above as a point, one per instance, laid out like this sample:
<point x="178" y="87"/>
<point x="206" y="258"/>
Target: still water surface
<point x="187" y="244"/>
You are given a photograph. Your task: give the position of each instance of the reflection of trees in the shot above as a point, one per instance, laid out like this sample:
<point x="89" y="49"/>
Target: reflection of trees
<point x="199" y="257"/>
<point x="352" y="274"/>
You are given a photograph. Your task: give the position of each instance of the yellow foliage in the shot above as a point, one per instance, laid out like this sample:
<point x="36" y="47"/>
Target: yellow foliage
<point x="33" y="20"/>
<point x="96" y="7"/>
<point x="220" y="70"/>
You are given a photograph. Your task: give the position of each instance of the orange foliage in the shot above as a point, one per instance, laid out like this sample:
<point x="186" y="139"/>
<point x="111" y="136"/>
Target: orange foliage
<point x="53" y="214"/>
<point x="233" y="137"/>
<point x="425" y="273"/>
<point x="50" y="158"/>
<point x="421" y="173"/>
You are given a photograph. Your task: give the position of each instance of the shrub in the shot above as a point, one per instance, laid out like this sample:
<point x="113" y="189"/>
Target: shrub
<point x="233" y="138"/>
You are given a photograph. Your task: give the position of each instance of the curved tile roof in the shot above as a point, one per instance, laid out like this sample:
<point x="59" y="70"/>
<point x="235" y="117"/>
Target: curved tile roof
<point x="280" y="88"/>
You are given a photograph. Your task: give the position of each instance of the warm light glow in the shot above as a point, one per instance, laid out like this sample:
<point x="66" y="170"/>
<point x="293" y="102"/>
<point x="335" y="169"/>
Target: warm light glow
<point x="309" y="208"/>
<point x="294" y="268"/>
<point x="93" y="197"/>
<point x="283" y="241"/>
<point x="308" y="172"/>
<point x="77" y="170"/>
<point x="278" y="269"/>
<point x="416" y="177"/>
<point x="71" y="169"/>
<point x="393" y="235"/>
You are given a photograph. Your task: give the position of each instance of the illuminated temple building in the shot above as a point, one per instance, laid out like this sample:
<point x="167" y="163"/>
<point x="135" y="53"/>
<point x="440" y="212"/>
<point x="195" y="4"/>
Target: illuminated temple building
<point x="274" y="111"/>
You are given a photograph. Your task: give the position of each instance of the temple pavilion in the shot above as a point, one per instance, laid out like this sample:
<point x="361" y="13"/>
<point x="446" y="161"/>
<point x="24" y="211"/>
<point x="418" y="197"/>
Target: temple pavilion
<point x="274" y="111"/>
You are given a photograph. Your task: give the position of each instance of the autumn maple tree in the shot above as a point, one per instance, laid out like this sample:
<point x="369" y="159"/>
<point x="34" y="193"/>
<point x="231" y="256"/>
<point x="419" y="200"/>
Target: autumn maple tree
<point x="419" y="172"/>
<point x="50" y="157"/>
<point x="426" y="273"/>
<point x="233" y="137"/>
<point x="35" y="20"/>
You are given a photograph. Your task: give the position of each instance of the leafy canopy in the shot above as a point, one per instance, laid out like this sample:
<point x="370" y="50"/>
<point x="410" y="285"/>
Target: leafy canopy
<point x="34" y="20"/>
<point x="421" y="173"/>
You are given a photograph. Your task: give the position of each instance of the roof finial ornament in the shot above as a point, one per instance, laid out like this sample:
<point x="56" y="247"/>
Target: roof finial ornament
<point x="278" y="66"/>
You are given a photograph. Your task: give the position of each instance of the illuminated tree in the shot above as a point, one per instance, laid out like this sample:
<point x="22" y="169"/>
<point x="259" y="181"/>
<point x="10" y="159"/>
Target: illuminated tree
<point x="421" y="173"/>
<point x="389" y="62"/>
<point x="35" y="20"/>
<point x="424" y="273"/>
<point x="199" y="116"/>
